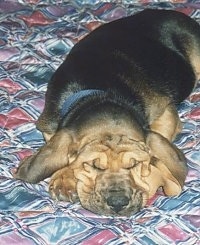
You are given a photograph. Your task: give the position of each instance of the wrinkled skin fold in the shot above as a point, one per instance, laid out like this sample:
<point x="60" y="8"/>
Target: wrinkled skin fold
<point x="119" y="178"/>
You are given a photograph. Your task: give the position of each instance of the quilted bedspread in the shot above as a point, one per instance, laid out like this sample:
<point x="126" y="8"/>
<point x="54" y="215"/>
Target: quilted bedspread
<point x="35" y="37"/>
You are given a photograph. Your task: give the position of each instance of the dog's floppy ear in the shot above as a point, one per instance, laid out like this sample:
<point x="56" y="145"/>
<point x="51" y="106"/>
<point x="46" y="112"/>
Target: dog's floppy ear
<point x="170" y="162"/>
<point x="50" y="157"/>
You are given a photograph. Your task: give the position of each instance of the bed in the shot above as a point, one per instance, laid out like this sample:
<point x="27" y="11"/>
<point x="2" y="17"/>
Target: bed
<point x="35" y="37"/>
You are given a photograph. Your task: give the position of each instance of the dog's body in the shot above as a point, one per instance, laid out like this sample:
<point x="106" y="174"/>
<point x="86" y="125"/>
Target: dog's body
<point x="113" y="148"/>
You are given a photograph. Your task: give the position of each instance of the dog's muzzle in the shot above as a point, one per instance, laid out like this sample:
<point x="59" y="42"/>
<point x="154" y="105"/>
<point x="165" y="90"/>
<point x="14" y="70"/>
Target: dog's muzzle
<point x="116" y="194"/>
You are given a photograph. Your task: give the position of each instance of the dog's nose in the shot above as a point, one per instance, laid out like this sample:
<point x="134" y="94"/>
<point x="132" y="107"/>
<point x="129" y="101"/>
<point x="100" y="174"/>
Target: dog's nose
<point x="117" y="203"/>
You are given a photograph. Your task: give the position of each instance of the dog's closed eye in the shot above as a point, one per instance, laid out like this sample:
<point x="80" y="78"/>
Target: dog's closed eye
<point x="96" y="164"/>
<point x="99" y="165"/>
<point x="131" y="164"/>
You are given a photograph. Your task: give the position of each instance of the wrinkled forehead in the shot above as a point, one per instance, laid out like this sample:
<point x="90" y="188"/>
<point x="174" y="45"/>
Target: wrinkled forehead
<point x="120" y="160"/>
<point x="114" y="153"/>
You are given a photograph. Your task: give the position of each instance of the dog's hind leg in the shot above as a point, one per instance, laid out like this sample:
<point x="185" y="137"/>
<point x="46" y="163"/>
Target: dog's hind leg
<point x="168" y="124"/>
<point x="194" y="55"/>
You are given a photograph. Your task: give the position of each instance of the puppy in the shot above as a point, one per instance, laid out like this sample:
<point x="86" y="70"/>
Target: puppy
<point x="110" y="114"/>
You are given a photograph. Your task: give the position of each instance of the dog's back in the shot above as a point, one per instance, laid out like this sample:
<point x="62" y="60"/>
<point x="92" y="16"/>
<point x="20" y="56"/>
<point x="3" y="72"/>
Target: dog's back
<point x="145" y="47"/>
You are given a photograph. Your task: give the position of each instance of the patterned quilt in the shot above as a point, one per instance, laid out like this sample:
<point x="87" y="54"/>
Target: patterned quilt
<point x="35" y="37"/>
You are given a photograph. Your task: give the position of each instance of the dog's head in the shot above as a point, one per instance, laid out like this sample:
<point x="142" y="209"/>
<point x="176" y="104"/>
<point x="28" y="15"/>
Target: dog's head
<point x="115" y="174"/>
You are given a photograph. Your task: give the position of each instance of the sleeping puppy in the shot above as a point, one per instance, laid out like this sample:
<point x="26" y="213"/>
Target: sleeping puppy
<point x="110" y="114"/>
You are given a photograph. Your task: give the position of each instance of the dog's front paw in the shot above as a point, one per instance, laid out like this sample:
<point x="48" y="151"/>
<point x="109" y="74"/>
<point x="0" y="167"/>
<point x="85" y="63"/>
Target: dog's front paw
<point x="62" y="186"/>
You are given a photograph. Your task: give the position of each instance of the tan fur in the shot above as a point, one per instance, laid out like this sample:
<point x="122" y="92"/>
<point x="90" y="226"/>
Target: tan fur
<point x="168" y="123"/>
<point x="52" y="156"/>
<point x="194" y="57"/>
<point x="101" y="162"/>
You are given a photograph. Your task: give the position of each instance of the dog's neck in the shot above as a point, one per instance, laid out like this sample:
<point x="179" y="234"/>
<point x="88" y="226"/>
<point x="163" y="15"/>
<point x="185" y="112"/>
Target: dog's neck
<point x="98" y="108"/>
<point x="75" y="97"/>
